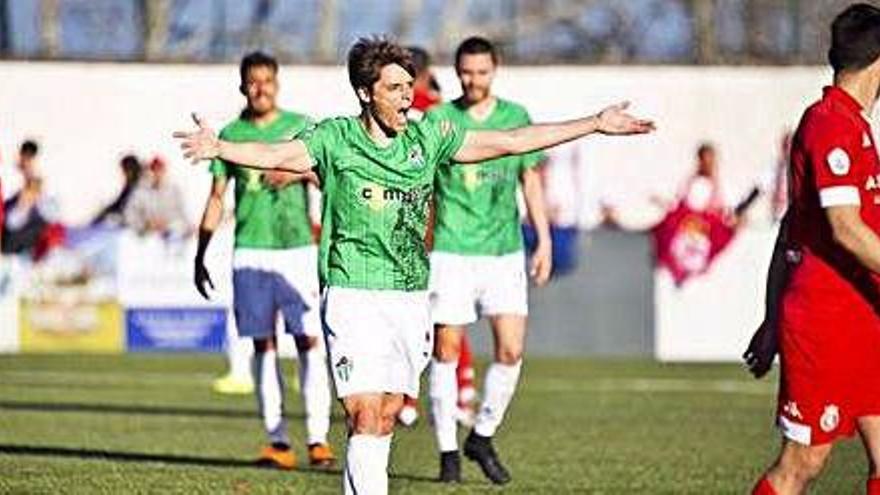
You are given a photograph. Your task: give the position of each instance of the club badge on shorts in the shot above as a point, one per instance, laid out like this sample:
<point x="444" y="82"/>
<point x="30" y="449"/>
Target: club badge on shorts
<point x="343" y="369"/>
<point x="830" y="418"/>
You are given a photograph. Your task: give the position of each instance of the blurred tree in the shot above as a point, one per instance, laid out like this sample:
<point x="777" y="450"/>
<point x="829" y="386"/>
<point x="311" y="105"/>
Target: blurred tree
<point x="50" y="28"/>
<point x="156" y="17"/>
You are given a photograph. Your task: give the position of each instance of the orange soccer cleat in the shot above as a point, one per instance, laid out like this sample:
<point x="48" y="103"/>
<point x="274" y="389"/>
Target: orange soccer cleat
<point x="321" y="455"/>
<point x="278" y="458"/>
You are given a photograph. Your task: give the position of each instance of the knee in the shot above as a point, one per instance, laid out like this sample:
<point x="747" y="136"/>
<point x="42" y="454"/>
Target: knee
<point x="366" y="421"/>
<point x="390" y="411"/>
<point x="447" y="347"/>
<point x="263" y="345"/>
<point x="305" y="343"/>
<point x="509" y="354"/>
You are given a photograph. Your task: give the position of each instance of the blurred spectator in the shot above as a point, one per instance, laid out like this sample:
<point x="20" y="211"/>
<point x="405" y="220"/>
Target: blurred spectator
<point x="778" y="188"/>
<point x="426" y="90"/>
<point x="156" y="205"/>
<point x="29" y="225"/>
<point x="114" y="213"/>
<point x="698" y="225"/>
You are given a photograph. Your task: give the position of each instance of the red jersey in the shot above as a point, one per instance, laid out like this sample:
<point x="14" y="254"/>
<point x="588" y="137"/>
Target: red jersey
<point x="834" y="162"/>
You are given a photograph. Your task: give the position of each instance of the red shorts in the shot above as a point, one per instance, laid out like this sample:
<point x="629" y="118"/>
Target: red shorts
<point x="830" y="368"/>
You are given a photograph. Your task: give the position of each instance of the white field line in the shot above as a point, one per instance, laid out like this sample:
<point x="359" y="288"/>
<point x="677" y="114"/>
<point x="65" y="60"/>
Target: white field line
<point x="98" y="378"/>
<point x="541" y="385"/>
<point x="651" y="385"/>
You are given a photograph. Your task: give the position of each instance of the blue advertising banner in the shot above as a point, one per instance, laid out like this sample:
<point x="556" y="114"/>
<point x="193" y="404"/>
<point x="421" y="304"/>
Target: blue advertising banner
<point x="175" y="329"/>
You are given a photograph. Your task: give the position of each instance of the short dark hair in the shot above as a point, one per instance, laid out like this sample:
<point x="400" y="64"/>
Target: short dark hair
<point x="256" y="59"/>
<point x="131" y="167"/>
<point x="420" y="57"/>
<point x="369" y="55"/>
<point x="855" y="38"/>
<point x="29" y="148"/>
<point x="705" y="147"/>
<point x="476" y="45"/>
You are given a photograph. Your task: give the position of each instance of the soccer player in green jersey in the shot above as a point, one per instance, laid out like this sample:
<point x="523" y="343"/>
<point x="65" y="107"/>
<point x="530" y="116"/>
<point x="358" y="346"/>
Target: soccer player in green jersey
<point x="478" y="261"/>
<point x="275" y="264"/>
<point x="377" y="173"/>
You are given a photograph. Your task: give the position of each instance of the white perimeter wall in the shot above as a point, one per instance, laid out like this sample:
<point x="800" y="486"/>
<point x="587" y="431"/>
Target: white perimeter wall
<point x="87" y="115"/>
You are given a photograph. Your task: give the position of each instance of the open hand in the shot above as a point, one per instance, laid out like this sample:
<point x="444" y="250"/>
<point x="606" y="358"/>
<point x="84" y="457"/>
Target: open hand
<point x="615" y="121"/>
<point x="201" y="144"/>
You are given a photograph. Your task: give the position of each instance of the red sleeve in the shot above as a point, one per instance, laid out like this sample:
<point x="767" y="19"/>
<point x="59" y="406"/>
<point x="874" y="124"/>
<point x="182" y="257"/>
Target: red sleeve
<point x="834" y="149"/>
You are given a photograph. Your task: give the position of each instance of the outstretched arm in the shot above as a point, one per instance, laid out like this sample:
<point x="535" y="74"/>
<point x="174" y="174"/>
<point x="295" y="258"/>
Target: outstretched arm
<point x="203" y="144"/>
<point x="485" y="145"/>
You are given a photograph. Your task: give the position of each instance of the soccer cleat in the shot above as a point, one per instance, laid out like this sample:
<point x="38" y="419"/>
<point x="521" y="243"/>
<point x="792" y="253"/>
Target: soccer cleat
<point x="278" y="457"/>
<point x="228" y="384"/>
<point x="480" y="450"/>
<point x="321" y="455"/>
<point x="450" y="467"/>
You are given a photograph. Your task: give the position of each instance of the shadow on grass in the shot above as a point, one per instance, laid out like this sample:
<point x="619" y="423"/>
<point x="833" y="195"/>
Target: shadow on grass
<point x="184" y="460"/>
<point x="139" y="410"/>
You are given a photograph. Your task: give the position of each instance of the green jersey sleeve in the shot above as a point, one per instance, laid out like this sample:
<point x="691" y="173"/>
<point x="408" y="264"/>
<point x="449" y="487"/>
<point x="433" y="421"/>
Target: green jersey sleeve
<point x="320" y="139"/>
<point x="446" y="134"/>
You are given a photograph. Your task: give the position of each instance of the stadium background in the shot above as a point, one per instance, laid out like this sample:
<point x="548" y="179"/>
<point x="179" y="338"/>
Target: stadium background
<point x="93" y="80"/>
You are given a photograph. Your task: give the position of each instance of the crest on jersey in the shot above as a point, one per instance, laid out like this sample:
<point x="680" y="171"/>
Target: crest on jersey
<point x="838" y="161"/>
<point x="343" y="369"/>
<point x="830" y="418"/>
<point x="415" y="157"/>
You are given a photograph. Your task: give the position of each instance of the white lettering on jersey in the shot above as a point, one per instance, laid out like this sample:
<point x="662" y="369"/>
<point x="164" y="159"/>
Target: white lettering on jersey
<point x="838" y="161"/>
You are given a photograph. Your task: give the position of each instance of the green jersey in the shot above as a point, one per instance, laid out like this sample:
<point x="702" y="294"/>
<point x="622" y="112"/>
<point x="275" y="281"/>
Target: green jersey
<point x="476" y="206"/>
<point x="375" y="201"/>
<point x="266" y="217"/>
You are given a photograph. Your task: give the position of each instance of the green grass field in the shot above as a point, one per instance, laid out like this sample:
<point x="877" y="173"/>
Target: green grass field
<point x="150" y="424"/>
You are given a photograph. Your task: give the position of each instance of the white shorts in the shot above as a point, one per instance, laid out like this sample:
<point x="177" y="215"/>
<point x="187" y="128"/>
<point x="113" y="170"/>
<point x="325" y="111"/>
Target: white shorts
<point x="462" y="287"/>
<point x="269" y="282"/>
<point x="377" y="340"/>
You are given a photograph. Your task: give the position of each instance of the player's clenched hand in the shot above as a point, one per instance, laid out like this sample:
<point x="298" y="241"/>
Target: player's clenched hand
<point x="762" y="349"/>
<point x="201" y="144"/>
<point x="541" y="264"/>
<point x="615" y="121"/>
<point x="202" y="277"/>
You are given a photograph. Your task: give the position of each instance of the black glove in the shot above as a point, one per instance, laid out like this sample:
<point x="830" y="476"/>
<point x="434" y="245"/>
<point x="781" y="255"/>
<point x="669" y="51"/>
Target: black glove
<point x="762" y="349"/>
<point x="200" y="277"/>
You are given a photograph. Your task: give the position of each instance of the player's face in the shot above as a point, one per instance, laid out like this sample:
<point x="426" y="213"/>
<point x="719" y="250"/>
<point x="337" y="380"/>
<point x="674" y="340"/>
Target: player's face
<point x="476" y="72"/>
<point x="391" y="97"/>
<point x="708" y="164"/>
<point x="260" y="89"/>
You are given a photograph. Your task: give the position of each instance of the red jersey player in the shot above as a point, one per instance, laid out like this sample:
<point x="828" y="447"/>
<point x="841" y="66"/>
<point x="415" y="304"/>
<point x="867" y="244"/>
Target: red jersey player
<point x="827" y="308"/>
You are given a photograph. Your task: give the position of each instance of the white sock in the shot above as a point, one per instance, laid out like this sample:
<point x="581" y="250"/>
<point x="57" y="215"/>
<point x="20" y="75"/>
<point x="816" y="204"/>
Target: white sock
<point x="270" y="395"/>
<point x="315" y="390"/>
<point x="501" y="380"/>
<point x="366" y="465"/>
<point x="239" y="351"/>
<point x="444" y="404"/>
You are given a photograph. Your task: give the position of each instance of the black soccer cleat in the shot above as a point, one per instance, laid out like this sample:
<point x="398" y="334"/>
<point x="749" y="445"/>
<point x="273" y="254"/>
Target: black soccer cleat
<point x="480" y="450"/>
<point x="450" y="467"/>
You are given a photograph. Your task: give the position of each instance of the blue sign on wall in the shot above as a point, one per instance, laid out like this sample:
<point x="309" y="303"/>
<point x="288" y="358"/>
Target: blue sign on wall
<point x="175" y="329"/>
